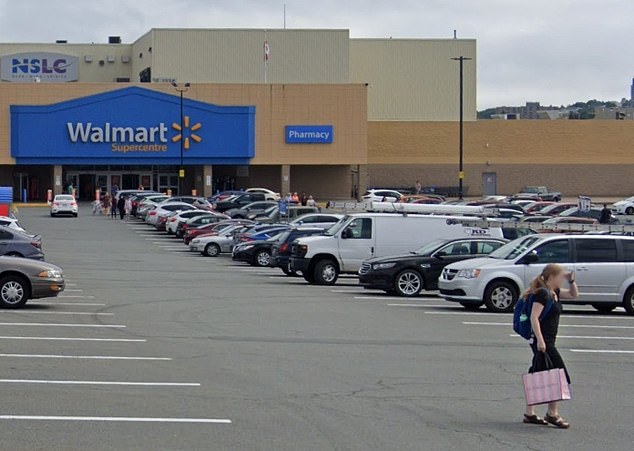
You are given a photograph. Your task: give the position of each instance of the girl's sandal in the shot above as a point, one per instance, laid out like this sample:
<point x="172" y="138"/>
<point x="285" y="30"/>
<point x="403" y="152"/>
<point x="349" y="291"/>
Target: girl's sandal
<point x="534" y="419"/>
<point x="557" y="421"/>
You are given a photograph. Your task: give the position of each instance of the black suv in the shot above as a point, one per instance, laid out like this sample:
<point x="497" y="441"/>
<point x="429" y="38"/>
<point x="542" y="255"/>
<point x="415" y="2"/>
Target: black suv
<point x="239" y="201"/>
<point x="407" y="275"/>
<point x="281" y="250"/>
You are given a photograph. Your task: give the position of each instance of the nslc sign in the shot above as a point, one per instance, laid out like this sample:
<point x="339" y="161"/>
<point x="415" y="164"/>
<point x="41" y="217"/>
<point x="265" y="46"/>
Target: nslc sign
<point x="309" y="134"/>
<point x="39" y="66"/>
<point x="132" y="126"/>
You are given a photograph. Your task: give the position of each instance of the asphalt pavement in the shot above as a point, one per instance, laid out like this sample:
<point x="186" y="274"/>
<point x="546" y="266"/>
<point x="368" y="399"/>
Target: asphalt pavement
<point x="152" y="347"/>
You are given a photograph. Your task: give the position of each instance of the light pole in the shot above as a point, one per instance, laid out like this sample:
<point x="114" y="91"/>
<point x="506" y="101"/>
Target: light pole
<point x="461" y="59"/>
<point x="182" y="89"/>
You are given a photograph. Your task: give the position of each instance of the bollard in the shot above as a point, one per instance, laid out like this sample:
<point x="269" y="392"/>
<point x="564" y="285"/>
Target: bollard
<point x="49" y="196"/>
<point x="169" y="193"/>
<point x="194" y="193"/>
<point x="98" y="195"/>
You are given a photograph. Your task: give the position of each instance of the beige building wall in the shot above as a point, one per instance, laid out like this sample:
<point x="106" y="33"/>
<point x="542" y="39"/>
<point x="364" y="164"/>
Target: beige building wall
<point x="415" y="79"/>
<point x="343" y="106"/>
<point x="237" y="56"/>
<point x="93" y="71"/>
<point x="142" y="55"/>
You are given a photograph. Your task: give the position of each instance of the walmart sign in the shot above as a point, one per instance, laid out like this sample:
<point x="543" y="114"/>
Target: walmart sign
<point x="39" y="66"/>
<point x="132" y="126"/>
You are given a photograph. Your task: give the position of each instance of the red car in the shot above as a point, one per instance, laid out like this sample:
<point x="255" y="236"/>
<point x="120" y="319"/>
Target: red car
<point x="209" y="229"/>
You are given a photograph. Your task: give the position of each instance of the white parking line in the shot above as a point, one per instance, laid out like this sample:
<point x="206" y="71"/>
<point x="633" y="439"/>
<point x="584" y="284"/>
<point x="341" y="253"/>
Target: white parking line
<point x="379" y="298"/>
<point x="581" y="337"/>
<point x="463" y="313"/>
<point x="587" y="326"/>
<point x="139" y="384"/>
<point x="77" y="290"/>
<point x="81" y="357"/>
<point x="603" y="351"/>
<point x="37" y="312"/>
<point x="83" y="304"/>
<point x="117" y="419"/>
<point x="115" y="326"/>
<point x="75" y="296"/>
<point x="122" y="340"/>
<point x="416" y="305"/>
<point x="71" y="284"/>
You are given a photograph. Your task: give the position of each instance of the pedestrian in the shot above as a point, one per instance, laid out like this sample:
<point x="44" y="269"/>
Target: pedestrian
<point x="121" y="207"/>
<point x="289" y="197"/>
<point x="113" y="202"/>
<point x="71" y="189"/>
<point x="545" y="288"/>
<point x="310" y="202"/>
<point x="418" y="188"/>
<point x="106" y="204"/>
<point x="295" y="197"/>
<point x="128" y="207"/>
<point x="606" y="215"/>
<point x="303" y="199"/>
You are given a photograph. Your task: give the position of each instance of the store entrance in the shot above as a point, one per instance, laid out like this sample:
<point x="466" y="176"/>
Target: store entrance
<point x="130" y="181"/>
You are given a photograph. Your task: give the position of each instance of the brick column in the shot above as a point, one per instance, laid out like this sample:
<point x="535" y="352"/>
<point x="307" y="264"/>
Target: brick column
<point x="285" y="179"/>
<point x="208" y="179"/>
<point x="58" y="181"/>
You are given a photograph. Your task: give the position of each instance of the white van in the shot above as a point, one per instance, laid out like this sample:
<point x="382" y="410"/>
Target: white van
<point x="361" y="236"/>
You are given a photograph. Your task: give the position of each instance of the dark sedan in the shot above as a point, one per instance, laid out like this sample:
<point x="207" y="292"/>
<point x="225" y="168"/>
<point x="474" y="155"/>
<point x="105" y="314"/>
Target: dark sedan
<point x="407" y="275"/>
<point x="281" y="250"/>
<point x="255" y="253"/>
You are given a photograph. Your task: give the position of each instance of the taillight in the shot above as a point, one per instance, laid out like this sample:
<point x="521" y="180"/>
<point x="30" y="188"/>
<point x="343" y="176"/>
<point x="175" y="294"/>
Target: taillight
<point x="55" y="203"/>
<point x="36" y="244"/>
<point x="73" y="204"/>
<point x="283" y="248"/>
<point x="152" y="213"/>
<point x="172" y="219"/>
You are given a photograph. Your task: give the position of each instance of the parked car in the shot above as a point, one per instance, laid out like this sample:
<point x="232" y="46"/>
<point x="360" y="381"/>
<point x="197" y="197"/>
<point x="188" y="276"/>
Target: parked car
<point x="239" y="201"/>
<point x="223" y="195"/>
<point x="12" y="223"/>
<point x="381" y="195"/>
<point x="272" y="215"/>
<point x="281" y="250"/>
<point x="603" y="267"/>
<point x="563" y="220"/>
<point x="163" y="209"/>
<point x="556" y="208"/>
<point x="199" y="220"/>
<point x="258" y="232"/>
<point x="210" y="228"/>
<point x="268" y="194"/>
<point x="252" y="208"/>
<point x="542" y="192"/>
<point x="361" y="236"/>
<point x="179" y="217"/>
<point x="64" y="204"/>
<point x="594" y="213"/>
<point x="624" y="207"/>
<point x="130" y="192"/>
<point x="323" y="220"/>
<point x="256" y="253"/>
<point x="409" y="274"/>
<point x="419" y="199"/>
<point x="535" y="208"/>
<point x="16" y="243"/>
<point x="535" y="219"/>
<point x="139" y="198"/>
<point x="214" y="245"/>
<point x="22" y="279"/>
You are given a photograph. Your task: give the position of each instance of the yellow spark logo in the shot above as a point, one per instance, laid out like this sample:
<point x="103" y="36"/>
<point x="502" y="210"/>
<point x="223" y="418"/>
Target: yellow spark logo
<point x="193" y="136"/>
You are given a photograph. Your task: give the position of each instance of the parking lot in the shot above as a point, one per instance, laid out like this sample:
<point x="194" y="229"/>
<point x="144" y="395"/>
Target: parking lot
<point x="154" y="347"/>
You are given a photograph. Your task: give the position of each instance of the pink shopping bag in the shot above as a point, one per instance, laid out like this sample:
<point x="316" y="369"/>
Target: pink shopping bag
<point x="546" y="386"/>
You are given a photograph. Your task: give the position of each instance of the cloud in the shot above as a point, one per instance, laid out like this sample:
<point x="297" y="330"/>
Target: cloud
<point x="553" y="51"/>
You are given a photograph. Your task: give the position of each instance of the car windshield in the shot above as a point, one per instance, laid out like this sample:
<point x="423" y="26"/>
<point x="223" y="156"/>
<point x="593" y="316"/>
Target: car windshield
<point x="65" y="197"/>
<point x="430" y="247"/>
<point x="275" y="238"/>
<point x="514" y="248"/>
<point x="530" y="189"/>
<point x="337" y="226"/>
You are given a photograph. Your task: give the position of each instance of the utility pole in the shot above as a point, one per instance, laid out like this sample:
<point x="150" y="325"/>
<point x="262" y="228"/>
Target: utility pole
<point x="182" y="89"/>
<point x="461" y="59"/>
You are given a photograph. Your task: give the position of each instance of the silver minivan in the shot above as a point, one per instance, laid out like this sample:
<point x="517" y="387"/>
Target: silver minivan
<point x="603" y="266"/>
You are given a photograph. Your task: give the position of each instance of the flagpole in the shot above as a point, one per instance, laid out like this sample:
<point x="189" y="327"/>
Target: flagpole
<point x="266" y="57"/>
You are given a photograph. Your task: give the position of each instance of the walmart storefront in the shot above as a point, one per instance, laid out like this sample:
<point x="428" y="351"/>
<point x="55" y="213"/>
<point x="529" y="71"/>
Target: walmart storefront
<point x="309" y="138"/>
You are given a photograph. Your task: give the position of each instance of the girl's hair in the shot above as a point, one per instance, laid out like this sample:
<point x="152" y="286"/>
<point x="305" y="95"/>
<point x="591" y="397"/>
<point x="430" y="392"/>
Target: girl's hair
<point x="539" y="282"/>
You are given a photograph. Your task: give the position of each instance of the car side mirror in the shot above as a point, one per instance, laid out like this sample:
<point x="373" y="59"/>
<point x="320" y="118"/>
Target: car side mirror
<point x="347" y="233"/>
<point x="530" y="258"/>
<point x="440" y="254"/>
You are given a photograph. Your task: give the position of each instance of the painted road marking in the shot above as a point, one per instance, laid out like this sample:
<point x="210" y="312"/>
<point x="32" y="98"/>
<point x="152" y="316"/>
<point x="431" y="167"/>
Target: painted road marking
<point x="81" y="357"/>
<point x="602" y="351"/>
<point x="135" y="384"/>
<point x="77" y="290"/>
<point x="36" y="312"/>
<point x="415" y="305"/>
<point x="497" y="314"/>
<point x="122" y="340"/>
<point x="75" y="296"/>
<point x="588" y="326"/>
<point x="119" y="326"/>
<point x="84" y="304"/>
<point x="116" y="419"/>
<point x="590" y="337"/>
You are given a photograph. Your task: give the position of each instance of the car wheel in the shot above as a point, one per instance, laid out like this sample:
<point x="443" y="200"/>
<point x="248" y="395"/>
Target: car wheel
<point x="212" y="250"/>
<point x="262" y="258"/>
<point x="604" y="308"/>
<point x="14" y="291"/>
<point x="628" y="301"/>
<point x="500" y="296"/>
<point x="52" y="215"/>
<point x="308" y="277"/>
<point x="470" y="306"/>
<point x="629" y="211"/>
<point x="408" y="283"/>
<point x="326" y="272"/>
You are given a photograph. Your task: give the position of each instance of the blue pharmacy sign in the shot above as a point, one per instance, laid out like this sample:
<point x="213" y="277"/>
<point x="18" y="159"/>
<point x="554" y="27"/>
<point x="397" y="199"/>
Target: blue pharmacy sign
<point x="132" y="126"/>
<point x="309" y="134"/>
<point x="283" y="207"/>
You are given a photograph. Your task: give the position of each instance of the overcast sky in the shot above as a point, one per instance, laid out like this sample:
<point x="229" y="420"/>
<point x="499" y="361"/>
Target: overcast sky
<point x="552" y="51"/>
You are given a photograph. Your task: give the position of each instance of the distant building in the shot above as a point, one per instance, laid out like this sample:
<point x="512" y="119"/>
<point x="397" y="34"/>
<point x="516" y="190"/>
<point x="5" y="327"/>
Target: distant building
<point x="632" y="91"/>
<point x="618" y="113"/>
<point x="528" y="111"/>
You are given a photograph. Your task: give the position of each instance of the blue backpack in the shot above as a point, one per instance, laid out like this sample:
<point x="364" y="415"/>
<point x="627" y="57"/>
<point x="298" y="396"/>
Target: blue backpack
<point x="522" y="315"/>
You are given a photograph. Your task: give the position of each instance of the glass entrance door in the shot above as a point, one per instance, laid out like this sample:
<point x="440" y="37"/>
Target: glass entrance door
<point x="130" y="181"/>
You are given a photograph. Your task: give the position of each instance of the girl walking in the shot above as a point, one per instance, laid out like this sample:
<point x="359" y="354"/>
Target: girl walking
<point x="547" y="287"/>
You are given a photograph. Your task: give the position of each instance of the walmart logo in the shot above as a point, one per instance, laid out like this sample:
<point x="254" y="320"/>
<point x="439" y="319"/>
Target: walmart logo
<point x="190" y="132"/>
